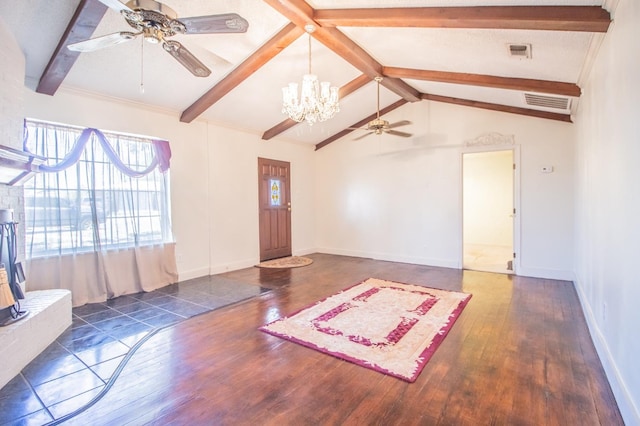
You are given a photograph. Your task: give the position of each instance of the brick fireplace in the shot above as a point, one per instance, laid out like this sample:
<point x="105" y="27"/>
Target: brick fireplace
<point x="49" y="310"/>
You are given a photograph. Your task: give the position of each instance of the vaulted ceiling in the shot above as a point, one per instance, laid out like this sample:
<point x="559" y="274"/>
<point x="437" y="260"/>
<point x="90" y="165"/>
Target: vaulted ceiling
<point x="455" y="51"/>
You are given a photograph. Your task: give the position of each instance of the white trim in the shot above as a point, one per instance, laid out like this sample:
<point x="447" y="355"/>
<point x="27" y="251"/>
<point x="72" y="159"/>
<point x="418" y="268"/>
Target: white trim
<point x="233" y="266"/>
<point x="492" y="142"/>
<point x="551" y="274"/>
<point x="389" y="257"/>
<point x="191" y="274"/>
<point x="629" y="411"/>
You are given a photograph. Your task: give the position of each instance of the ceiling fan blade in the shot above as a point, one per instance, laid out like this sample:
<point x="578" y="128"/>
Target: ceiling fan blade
<point x="102" y="42"/>
<point x="186" y="58"/>
<point x="363" y="136"/>
<point x="115" y="5"/>
<point x="212" y="24"/>
<point x="398" y="124"/>
<point x="397" y="133"/>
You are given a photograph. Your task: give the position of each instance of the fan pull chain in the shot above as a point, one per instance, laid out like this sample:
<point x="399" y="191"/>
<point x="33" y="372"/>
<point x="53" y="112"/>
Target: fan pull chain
<point x="142" y="66"/>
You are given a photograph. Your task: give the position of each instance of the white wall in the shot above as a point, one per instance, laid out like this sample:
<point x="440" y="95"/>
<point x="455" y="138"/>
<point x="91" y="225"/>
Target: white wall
<point x="607" y="242"/>
<point x="234" y="196"/>
<point x="401" y="199"/>
<point x="213" y="178"/>
<point x="488" y="198"/>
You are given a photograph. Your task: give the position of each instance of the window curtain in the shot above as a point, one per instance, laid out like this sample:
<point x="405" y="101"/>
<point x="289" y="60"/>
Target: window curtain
<point x="98" y="216"/>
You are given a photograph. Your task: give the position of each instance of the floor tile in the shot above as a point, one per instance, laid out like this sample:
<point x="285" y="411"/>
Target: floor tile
<point x="81" y="332"/>
<point x="68" y="386"/>
<point x="92" y="341"/>
<point x="39" y="418"/>
<point x="102" y="315"/>
<point x="105" y="370"/>
<point x="147" y="313"/>
<point x="112" y="324"/>
<point x="68" y="406"/>
<point x="138" y="305"/>
<point x="131" y="334"/>
<point x="51" y="369"/>
<point x="162" y="300"/>
<point x="184" y="308"/>
<point x="17" y="400"/>
<point x="105" y="352"/>
<point x="164" y="319"/>
<point x="148" y="296"/>
<point x="90" y="308"/>
<point x="121" y="301"/>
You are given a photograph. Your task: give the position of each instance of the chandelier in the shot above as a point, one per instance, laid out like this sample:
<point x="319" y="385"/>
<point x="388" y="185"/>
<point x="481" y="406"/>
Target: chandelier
<point x="317" y="102"/>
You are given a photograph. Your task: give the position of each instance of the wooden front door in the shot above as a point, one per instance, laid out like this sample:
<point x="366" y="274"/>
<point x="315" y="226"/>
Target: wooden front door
<point x="274" y="197"/>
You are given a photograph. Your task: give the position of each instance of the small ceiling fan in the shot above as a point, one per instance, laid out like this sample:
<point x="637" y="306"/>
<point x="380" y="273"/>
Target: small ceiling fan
<point x="378" y="126"/>
<point x="157" y="22"/>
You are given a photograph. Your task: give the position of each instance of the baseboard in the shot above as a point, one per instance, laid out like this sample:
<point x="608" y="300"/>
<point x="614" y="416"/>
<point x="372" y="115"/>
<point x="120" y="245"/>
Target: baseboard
<point x="443" y="263"/>
<point x="630" y="413"/>
<point x="551" y="274"/>
<point x="193" y="273"/>
<point x="305" y="252"/>
<point x="232" y="266"/>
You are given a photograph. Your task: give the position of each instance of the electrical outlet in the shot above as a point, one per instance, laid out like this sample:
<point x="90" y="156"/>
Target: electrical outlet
<point x="546" y="169"/>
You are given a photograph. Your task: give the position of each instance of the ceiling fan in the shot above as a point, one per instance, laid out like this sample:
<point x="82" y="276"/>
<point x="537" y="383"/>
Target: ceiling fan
<point x="378" y="126"/>
<point x="157" y="22"/>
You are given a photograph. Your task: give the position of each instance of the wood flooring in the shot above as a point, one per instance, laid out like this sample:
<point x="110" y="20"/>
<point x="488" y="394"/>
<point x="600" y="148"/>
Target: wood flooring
<point x="519" y="354"/>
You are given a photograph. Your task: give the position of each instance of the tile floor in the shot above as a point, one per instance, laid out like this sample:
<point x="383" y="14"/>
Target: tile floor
<point x="79" y="364"/>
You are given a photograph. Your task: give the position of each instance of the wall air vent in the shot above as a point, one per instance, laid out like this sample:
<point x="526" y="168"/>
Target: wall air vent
<point x="522" y="51"/>
<point x="547" y="101"/>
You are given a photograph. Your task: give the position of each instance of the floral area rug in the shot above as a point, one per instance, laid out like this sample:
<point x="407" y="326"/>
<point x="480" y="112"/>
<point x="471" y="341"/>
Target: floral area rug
<point x="386" y="326"/>
<point x="286" y="262"/>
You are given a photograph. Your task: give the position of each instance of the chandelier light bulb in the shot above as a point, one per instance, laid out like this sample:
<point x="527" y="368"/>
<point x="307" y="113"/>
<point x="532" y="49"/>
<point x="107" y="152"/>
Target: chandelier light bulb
<point x="317" y="101"/>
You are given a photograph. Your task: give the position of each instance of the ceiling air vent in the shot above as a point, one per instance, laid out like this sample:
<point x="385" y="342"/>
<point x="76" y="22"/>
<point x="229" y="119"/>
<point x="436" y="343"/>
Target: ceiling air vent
<point x="522" y="51"/>
<point x="547" y="101"/>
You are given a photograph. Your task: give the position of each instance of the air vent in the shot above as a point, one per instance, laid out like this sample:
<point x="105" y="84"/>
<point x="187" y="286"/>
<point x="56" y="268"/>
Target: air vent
<point x="547" y="101"/>
<point x="522" y="51"/>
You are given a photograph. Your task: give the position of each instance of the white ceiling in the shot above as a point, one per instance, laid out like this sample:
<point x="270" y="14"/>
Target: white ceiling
<point x="255" y="104"/>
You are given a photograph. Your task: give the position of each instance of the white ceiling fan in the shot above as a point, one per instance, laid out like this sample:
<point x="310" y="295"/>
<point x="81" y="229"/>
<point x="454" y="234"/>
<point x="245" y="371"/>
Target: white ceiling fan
<point x="157" y="22"/>
<point x="378" y="126"/>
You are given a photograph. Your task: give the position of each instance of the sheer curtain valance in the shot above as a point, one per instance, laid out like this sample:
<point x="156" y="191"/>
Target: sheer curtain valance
<point x="161" y="158"/>
<point x="98" y="216"/>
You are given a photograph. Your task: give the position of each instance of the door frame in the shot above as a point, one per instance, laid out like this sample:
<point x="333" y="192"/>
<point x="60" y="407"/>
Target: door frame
<point x="516" y="198"/>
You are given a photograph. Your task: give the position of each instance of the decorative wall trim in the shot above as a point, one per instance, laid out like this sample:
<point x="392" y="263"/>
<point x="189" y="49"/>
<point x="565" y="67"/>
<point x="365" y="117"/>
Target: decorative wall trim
<point x="490" y="139"/>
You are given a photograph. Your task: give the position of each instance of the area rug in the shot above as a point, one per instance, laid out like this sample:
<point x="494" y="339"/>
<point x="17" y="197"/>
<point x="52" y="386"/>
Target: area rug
<point x="286" y="262"/>
<point x="386" y="326"/>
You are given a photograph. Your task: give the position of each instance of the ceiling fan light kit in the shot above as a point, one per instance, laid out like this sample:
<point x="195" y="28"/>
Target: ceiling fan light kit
<point x="317" y="102"/>
<point x="156" y="23"/>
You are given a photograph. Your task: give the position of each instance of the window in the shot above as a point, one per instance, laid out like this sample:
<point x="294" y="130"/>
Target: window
<point x="99" y="190"/>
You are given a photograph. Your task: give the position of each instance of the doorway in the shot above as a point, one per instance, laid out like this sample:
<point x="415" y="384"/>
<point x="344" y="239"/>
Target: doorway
<point x="274" y="201"/>
<point x="488" y="211"/>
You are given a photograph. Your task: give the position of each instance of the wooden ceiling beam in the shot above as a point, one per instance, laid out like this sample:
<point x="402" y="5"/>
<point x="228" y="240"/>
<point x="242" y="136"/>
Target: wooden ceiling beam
<point x="360" y="123"/>
<point x="550" y="18"/>
<point x="497" y="107"/>
<point x="345" y="90"/>
<point x="540" y="86"/>
<point x="264" y="54"/>
<point x="301" y="14"/>
<point x="86" y="18"/>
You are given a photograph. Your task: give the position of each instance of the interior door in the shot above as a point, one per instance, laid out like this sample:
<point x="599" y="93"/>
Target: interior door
<point x="275" y="208"/>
